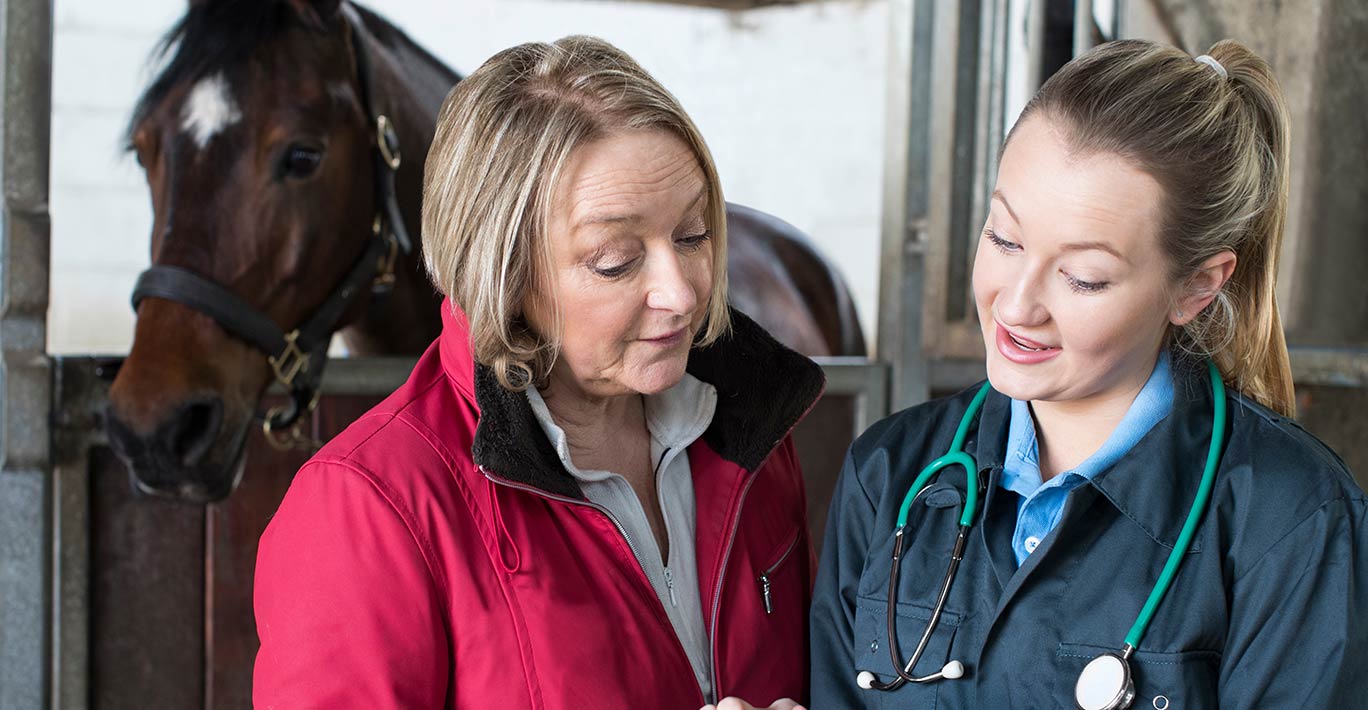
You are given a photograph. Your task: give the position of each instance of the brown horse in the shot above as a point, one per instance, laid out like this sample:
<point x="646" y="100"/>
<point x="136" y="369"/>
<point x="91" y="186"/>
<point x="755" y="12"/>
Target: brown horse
<point x="271" y="185"/>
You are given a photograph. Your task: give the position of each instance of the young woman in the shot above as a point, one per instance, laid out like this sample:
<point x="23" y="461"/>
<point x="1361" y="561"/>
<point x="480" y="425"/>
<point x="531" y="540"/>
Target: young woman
<point x="1126" y="512"/>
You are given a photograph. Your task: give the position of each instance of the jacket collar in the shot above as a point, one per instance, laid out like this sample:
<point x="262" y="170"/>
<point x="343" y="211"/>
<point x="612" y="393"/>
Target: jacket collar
<point x="763" y="389"/>
<point x="1155" y="483"/>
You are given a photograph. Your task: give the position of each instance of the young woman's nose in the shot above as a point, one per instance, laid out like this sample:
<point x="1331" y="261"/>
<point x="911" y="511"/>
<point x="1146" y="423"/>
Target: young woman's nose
<point x="1020" y="301"/>
<point x="668" y="284"/>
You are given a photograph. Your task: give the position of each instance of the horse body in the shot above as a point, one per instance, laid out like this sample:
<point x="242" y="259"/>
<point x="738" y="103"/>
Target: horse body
<point x="258" y="152"/>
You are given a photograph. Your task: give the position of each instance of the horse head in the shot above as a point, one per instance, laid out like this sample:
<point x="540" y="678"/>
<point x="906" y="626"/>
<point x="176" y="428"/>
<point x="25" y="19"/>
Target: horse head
<point x="270" y="143"/>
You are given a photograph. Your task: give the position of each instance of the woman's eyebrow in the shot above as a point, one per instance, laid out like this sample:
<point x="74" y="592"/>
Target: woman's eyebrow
<point x="997" y="195"/>
<point x="1100" y="246"/>
<point x="628" y="218"/>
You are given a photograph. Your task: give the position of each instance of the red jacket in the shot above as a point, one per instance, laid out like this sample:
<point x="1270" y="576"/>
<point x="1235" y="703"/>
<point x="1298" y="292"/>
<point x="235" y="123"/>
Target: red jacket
<point x="436" y="553"/>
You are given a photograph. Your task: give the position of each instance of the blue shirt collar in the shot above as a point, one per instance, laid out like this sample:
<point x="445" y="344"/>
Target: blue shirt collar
<point x="1021" y="469"/>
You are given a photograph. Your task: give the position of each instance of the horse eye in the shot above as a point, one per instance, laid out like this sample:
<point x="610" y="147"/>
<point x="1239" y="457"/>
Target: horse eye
<point x="300" y="161"/>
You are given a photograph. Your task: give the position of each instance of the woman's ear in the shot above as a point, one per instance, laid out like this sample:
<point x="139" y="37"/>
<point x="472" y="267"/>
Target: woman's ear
<point x="1201" y="288"/>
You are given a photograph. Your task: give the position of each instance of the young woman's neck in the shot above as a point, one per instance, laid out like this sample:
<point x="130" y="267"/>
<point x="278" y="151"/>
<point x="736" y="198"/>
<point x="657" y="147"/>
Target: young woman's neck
<point x="1068" y="432"/>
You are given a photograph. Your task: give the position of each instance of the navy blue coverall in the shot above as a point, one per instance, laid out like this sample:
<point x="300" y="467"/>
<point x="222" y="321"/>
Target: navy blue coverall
<point x="1269" y="609"/>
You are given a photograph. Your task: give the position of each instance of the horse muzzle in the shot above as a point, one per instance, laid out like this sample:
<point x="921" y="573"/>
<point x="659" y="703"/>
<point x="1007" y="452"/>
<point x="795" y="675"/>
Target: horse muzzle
<point x="193" y="454"/>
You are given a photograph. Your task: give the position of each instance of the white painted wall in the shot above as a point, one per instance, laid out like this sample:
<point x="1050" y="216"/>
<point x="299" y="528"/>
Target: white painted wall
<point x="789" y="98"/>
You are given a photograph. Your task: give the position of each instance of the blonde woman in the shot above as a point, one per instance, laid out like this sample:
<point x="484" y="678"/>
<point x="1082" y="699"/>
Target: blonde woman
<point x="585" y="496"/>
<point x="1139" y="401"/>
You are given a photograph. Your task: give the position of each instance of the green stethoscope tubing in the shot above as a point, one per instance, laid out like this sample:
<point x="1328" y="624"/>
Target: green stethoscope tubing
<point x="957" y="457"/>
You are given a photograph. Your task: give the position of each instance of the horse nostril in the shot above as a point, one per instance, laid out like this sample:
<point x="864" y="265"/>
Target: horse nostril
<point x="191" y="434"/>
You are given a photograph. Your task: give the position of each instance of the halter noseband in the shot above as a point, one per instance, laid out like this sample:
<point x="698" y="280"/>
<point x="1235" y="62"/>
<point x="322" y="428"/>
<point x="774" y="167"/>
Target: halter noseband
<point x="298" y="357"/>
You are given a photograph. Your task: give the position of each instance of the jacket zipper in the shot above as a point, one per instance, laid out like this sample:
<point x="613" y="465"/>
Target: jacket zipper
<point x="635" y="555"/>
<point x="764" y="578"/>
<point x="731" y="538"/>
<point x="721" y="580"/>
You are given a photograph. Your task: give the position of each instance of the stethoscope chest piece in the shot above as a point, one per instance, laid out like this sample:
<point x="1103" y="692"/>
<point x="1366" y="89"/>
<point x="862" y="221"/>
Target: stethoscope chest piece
<point x="1105" y="684"/>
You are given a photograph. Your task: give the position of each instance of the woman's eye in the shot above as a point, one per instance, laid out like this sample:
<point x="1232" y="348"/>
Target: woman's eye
<point x="1002" y="245"/>
<point x="693" y="241"/>
<point x="300" y="161"/>
<point x="612" y="272"/>
<point x="1080" y="286"/>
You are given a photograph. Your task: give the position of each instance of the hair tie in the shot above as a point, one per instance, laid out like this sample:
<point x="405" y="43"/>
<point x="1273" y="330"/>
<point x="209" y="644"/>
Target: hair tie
<point x="1207" y="60"/>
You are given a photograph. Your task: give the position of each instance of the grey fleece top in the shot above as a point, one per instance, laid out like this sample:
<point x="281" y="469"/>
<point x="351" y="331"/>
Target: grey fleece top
<point x="675" y="419"/>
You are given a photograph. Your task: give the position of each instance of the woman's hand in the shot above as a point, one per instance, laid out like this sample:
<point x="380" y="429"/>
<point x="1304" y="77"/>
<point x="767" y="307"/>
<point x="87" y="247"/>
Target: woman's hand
<point x="739" y="704"/>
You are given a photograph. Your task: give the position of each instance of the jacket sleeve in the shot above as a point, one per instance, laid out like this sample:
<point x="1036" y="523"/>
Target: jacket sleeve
<point x="833" y="604"/>
<point x="347" y="609"/>
<point x="1299" y="618"/>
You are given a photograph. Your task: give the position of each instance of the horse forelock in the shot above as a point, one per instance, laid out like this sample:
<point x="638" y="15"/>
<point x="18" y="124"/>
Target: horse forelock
<point x="212" y="39"/>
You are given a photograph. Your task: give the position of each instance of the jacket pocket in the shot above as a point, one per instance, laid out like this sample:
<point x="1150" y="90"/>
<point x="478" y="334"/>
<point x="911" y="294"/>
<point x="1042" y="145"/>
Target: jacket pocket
<point x="1179" y="680"/>
<point x="770" y="574"/>
<point x="872" y="643"/>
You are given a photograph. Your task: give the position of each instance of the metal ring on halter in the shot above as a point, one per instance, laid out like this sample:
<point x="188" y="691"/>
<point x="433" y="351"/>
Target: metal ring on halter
<point x="388" y="142"/>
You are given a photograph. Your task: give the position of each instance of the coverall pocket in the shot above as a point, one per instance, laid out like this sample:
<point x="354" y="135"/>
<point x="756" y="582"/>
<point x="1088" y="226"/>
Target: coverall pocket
<point x="871" y="648"/>
<point x="1163" y="681"/>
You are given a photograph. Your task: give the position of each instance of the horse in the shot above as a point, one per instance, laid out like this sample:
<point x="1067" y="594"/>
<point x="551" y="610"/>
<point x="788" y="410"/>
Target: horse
<point x="283" y="146"/>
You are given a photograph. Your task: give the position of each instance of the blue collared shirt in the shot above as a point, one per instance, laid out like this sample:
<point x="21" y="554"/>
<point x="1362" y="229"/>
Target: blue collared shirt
<point x="1040" y="505"/>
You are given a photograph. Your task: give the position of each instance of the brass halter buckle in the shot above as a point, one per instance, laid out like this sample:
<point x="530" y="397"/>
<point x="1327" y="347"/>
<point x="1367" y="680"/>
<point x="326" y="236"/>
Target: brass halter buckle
<point x="384" y="270"/>
<point x="293" y="438"/>
<point x="388" y="141"/>
<point x="290" y="362"/>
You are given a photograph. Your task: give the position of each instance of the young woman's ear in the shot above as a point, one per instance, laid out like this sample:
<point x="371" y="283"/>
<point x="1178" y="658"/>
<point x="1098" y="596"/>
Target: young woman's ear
<point x="1202" y="287"/>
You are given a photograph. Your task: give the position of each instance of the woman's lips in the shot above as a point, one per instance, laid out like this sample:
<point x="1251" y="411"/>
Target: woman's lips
<point x="667" y="340"/>
<point x="1022" y="351"/>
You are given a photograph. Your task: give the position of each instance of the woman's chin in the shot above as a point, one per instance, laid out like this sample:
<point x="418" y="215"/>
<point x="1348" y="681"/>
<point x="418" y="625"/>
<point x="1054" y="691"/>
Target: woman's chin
<point x="657" y="377"/>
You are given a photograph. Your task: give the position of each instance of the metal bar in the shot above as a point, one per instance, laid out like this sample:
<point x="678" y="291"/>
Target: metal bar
<point x="80" y="389"/>
<point x="1338" y="367"/>
<point x="1083" y="26"/>
<point x="25" y="385"/>
<point x="907" y="186"/>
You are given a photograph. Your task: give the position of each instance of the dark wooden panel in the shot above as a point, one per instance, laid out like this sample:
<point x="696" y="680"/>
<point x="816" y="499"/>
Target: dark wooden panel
<point x="233" y="529"/>
<point x="1339" y="417"/>
<point x="146" y="596"/>
<point x="821" y="440"/>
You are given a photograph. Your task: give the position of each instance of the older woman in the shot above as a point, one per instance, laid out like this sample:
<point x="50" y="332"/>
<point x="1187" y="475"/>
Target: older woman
<point x="585" y="496"/>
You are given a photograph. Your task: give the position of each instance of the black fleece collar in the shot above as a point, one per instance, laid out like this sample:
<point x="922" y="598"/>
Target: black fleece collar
<point x="763" y="389"/>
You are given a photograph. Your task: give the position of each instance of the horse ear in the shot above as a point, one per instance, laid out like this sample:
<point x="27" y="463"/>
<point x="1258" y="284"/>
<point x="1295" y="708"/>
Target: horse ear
<point x="319" y="12"/>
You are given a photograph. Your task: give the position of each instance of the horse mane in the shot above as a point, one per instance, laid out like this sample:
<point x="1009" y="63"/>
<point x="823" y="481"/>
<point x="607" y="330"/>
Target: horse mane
<point x="219" y="36"/>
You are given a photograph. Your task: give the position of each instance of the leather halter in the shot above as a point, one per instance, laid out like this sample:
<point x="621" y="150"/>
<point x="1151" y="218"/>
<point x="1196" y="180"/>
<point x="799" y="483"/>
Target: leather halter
<point x="298" y="357"/>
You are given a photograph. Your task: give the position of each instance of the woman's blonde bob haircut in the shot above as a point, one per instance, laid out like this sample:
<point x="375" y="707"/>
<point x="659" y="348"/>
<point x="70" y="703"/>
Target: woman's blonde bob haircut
<point x="504" y="136"/>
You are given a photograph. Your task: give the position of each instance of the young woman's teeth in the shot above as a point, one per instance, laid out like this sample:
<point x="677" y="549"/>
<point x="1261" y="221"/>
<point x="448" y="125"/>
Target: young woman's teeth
<point x="1024" y="346"/>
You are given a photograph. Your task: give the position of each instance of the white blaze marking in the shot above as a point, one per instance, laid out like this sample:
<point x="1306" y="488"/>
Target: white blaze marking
<point x="209" y="109"/>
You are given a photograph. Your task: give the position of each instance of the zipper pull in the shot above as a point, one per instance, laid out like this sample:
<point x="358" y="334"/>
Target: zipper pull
<point x="765" y="590"/>
<point x="669" y="584"/>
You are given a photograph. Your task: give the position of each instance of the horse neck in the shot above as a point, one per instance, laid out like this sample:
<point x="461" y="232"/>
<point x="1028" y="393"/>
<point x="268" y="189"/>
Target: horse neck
<point x="410" y="84"/>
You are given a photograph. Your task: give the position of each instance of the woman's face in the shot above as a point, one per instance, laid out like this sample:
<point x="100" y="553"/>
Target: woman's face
<point x="1072" y="290"/>
<point x="631" y="264"/>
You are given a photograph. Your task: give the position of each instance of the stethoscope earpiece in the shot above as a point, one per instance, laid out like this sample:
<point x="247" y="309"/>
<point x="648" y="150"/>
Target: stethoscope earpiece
<point x="953" y="670"/>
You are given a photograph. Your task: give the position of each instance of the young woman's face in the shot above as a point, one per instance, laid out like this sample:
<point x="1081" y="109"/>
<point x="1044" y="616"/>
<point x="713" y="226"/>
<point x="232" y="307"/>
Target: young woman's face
<point x="631" y="264"/>
<point x="1072" y="290"/>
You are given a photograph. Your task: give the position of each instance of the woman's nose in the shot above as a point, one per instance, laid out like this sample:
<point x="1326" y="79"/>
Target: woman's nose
<point x="1020" y="302"/>
<point x="669" y="287"/>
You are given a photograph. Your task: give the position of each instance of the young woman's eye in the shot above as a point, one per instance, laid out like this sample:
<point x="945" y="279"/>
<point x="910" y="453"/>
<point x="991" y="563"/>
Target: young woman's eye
<point x="693" y="241"/>
<point x="1002" y="245"/>
<point x="1080" y="286"/>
